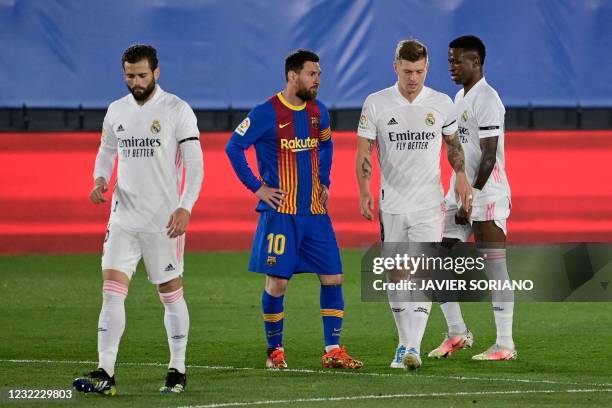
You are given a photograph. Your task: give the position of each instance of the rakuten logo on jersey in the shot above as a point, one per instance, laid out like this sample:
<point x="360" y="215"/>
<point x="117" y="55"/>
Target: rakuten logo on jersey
<point x="411" y="140"/>
<point x="299" y="145"/>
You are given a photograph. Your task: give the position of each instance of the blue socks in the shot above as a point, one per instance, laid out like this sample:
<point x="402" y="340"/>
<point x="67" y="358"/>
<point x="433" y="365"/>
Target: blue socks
<point x="332" y="312"/>
<point x="274" y="316"/>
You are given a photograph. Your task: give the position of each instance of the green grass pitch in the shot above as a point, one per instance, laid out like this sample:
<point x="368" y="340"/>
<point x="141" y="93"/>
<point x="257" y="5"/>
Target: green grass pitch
<point x="50" y="305"/>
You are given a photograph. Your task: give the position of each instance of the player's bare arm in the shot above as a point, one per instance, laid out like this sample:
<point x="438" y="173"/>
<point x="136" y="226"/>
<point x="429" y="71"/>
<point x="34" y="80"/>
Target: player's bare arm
<point x="488" y="146"/>
<point x="271" y="196"/>
<point x="456" y="158"/>
<point x="100" y="187"/>
<point x="364" y="174"/>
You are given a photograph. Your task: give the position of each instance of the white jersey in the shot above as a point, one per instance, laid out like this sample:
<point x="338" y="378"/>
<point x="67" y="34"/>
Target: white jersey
<point x="150" y="168"/>
<point x="409" y="139"/>
<point x="481" y="115"/>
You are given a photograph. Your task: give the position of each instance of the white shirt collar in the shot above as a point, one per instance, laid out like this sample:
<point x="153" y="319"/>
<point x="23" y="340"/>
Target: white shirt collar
<point x="417" y="100"/>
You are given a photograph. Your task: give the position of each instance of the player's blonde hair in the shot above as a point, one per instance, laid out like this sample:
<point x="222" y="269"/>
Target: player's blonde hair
<point x="410" y="50"/>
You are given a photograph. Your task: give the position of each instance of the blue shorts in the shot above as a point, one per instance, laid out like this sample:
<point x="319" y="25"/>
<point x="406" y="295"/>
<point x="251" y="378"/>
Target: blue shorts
<point x="285" y="244"/>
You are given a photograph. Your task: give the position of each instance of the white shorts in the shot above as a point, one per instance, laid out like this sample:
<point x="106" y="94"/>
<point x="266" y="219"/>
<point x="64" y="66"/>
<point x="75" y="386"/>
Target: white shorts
<point x="417" y="226"/>
<point x="497" y="211"/>
<point x="163" y="256"/>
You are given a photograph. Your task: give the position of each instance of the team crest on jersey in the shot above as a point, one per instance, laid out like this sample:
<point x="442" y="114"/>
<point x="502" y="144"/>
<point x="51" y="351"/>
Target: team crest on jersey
<point x="155" y="127"/>
<point x="464" y="116"/>
<point x="430" y="119"/>
<point x="271" y="260"/>
<point x="315" y="122"/>
<point x="363" y="122"/>
<point x="243" y="126"/>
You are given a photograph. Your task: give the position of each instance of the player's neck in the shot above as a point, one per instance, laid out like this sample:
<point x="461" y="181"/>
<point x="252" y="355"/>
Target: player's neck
<point x="470" y="84"/>
<point x="292" y="98"/>
<point x="140" y="103"/>
<point x="411" y="96"/>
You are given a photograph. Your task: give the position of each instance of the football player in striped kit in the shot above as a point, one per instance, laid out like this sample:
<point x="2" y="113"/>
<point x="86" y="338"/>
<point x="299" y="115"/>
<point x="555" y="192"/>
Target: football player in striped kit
<point x="292" y="139"/>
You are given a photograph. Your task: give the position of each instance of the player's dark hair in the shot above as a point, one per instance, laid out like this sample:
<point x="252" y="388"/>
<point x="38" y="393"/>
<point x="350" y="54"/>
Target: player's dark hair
<point x="410" y="50"/>
<point x="296" y="60"/>
<point x="138" y="52"/>
<point x="470" y="43"/>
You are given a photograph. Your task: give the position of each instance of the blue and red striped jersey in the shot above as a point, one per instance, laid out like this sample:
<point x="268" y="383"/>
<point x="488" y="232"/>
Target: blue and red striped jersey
<point x="294" y="152"/>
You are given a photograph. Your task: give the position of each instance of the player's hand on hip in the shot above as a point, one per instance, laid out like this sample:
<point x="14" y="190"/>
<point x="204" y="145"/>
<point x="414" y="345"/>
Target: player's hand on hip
<point x="367" y="206"/>
<point x="463" y="217"/>
<point x="274" y="197"/>
<point x="177" y="225"/>
<point x="100" y="187"/>
<point x="463" y="191"/>
<point x="323" y="193"/>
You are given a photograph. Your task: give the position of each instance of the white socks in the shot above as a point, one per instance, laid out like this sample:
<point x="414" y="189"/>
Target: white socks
<point x="418" y="314"/>
<point x="111" y="324"/>
<point x="410" y="319"/>
<point x="176" y="320"/>
<point x="503" y="301"/>
<point x="454" y="318"/>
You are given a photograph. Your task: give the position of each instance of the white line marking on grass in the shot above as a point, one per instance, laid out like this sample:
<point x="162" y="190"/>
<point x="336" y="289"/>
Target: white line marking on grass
<point x="390" y="396"/>
<point x="325" y="372"/>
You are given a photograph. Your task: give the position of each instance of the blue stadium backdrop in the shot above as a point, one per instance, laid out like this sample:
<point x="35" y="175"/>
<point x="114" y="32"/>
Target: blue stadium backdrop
<point x="220" y="53"/>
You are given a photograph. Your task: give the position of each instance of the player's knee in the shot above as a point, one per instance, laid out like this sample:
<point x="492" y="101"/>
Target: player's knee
<point x="116" y="276"/>
<point x="170" y="286"/>
<point x="331" y="280"/>
<point x="276" y="286"/>
<point x="449" y="243"/>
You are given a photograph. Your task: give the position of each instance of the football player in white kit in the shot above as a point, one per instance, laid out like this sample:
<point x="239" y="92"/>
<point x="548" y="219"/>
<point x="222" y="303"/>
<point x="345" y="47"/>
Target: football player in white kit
<point x="155" y="135"/>
<point x="407" y="122"/>
<point x="481" y="130"/>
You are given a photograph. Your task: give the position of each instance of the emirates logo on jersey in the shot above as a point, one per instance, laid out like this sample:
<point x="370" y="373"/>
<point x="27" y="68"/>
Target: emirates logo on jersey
<point x="155" y="127"/>
<point x="430" y="119"/>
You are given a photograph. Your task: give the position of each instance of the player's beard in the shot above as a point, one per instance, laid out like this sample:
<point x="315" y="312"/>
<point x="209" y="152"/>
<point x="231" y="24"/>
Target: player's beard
<point x="306" y="94"/>
<point x="145" y="93"/>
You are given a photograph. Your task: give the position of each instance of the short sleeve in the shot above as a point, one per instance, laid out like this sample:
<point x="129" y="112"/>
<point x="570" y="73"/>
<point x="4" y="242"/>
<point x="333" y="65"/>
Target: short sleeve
<point x="450" y="117"/>
<point x="367" y="120"/>
<point x="489" y="113"/>
<point x="187" y="125"/>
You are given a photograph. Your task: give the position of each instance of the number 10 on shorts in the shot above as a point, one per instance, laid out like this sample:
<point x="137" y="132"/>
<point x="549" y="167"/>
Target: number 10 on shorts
<point x="276" y="244"/>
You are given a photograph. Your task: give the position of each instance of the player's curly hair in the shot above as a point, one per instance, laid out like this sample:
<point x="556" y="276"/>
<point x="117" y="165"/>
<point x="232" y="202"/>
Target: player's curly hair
<point x="295" y="61"/>
<point x="470" y="43"/>
<point x="410" y="50"/>
<point x="138" y="52"/>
